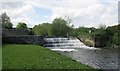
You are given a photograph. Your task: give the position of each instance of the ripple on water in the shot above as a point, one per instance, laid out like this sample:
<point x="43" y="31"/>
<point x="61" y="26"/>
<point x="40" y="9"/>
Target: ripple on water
<point x="95" y="57"/>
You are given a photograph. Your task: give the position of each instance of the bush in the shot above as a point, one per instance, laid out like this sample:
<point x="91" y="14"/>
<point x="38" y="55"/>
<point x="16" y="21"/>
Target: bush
<point x="89" y="42"/>
<point x="115" y="39"/>
<point x="42" y="29"/>
<point x="21" y="25"/>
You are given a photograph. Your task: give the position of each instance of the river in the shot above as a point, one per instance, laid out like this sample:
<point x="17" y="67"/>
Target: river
<point x="98" y="58"/>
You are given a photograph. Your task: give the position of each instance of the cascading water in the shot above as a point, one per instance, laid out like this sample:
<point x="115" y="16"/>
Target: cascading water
<point x="65" y="44"/>
<point x="95" y="57"/>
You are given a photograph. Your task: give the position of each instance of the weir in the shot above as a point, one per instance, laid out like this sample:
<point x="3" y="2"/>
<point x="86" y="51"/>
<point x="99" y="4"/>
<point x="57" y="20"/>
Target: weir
<point x="97" y="58"/>
<point x="65" y="43"/>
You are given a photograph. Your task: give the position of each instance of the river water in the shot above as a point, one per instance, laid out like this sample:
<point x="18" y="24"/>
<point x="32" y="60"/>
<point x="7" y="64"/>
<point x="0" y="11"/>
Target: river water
<point x="99" y="58"/>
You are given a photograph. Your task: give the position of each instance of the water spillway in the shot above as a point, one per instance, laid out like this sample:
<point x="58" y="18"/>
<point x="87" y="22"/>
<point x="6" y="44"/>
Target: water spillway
<point x="95" y="57"/>
<point x="65" y="43"/>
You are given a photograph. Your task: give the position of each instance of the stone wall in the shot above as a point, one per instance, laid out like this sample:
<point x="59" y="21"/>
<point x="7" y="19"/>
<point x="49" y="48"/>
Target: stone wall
<point x="101" y="41"/>
<point x="95" y="41"/>
<point x="28" y="39"/>
<point x="10" y="32"/>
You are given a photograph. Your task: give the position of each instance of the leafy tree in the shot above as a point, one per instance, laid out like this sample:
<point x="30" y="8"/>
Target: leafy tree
<point x="60" y="27"/>
<point x="42" y="29"/>
<point x="113" y="33"/>
<point x="73" y="32"/>
<point x="21" y="25"/>
<point x="102" y="26"/>
<point x="5" y="21"/>
<point x="35" y="29"/>
<point x="115" y="39"/>
<point x="84" y="31"/>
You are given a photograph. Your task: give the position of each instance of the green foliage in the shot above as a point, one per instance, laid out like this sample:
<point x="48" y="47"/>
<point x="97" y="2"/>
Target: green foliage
<point x="42" y="29"/>
<point x="21" y="25"/>
<point x="30" y="32"/>
<point x="60" y="27"/>
<point x="111" y="33"/>
<point x="102" y="26"/>
<point x="73" y="32"/>
<point x="18" y="56"/>
<point x="84" y="31"/>
<point x="5" y="21"/>
<point x="115" y="39"/>
<point x="35" y="30"/>
<point x="112" y="30"/>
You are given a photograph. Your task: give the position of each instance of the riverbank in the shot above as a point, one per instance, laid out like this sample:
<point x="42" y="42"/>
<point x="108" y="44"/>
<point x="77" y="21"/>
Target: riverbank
<point x="19" y="56"/>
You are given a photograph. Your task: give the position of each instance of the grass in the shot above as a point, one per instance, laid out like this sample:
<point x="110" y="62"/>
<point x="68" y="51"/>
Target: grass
<point x="0" y="57"/>
<point x="19" y="56"/>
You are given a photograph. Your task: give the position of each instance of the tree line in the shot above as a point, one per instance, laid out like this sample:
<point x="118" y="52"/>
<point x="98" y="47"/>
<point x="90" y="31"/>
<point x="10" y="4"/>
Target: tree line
<point x="62" y="28"/>
<point x="59" y="26"/>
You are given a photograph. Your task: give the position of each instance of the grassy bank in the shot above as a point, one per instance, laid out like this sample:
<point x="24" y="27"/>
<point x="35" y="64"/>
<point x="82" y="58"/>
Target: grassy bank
<point x="18" y="56"/>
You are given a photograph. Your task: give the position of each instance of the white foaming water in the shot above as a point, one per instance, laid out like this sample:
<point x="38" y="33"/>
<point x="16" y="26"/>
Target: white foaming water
<point x="70" y="50"/>
<point x="65" y="44"/>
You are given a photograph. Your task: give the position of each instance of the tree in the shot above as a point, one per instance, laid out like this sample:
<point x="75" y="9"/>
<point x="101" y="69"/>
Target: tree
<point x="35" y="30"/>
<point x="60" y="27"/>
<point x="42" y="29"/>
<point x="21" y="25"/>
<point x="102" y="26"/>
<point x="5" y="21"/>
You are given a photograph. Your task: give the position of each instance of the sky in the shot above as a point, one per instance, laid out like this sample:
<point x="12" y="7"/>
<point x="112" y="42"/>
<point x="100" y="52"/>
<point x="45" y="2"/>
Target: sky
<point x="87" y="13"/>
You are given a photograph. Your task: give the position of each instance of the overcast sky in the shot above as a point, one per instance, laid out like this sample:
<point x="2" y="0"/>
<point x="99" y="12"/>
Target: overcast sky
<point x="88" y="13"/>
